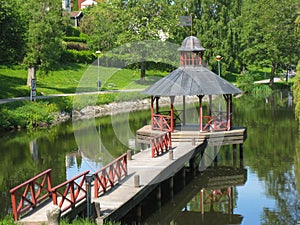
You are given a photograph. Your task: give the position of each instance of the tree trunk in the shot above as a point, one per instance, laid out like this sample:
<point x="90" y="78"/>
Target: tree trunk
<point x="143" y="71"/>
<point x="272" y="75"/>
<point x="31" y="75"/>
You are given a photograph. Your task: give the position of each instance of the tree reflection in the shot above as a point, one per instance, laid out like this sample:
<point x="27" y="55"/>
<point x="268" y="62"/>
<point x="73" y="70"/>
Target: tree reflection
<point x="271" y="153"/>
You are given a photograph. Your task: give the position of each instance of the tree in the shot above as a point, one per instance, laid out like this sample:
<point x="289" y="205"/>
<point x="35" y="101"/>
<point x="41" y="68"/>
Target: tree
<point x="117" y="23"/>
<point x="12" y="30"/>
<point x="44" y="46"/>
<point x="269" y="34"/>
<point x="147" y="20"/>
<point x="102" y="25"/>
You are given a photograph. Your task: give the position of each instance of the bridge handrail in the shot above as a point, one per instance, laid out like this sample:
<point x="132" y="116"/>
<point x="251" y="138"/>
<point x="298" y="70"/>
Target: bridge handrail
<point x="108" y="176"/>
<point x="35" y="193"/>
<point x="73" y="193"/>
<point x="160" y="144"/>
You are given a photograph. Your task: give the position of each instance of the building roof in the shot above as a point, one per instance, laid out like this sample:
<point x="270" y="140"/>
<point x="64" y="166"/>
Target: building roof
<point x="191" y="44"/>
<point x="186" y="81"/>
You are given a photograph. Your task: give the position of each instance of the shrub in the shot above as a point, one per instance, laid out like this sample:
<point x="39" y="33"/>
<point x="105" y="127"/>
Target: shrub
<point x="75" y="56"/>
<point x="76" y="46"/>
<point x="29" y="115"/>
<point x="75" y="39"/>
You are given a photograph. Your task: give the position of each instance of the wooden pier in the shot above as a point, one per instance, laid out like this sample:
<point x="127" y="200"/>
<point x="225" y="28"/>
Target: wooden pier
<point x="189" y="133"/>
<point x="126" y="195"/>
<point x="144" y="173"/>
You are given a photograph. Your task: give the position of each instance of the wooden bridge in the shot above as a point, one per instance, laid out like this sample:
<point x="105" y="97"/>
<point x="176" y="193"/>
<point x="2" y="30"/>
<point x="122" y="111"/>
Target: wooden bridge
<point x="118" y="187"/>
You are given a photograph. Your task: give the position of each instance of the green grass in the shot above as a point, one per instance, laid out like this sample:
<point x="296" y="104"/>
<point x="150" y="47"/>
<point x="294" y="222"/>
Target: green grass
<point x="70" y="79"/>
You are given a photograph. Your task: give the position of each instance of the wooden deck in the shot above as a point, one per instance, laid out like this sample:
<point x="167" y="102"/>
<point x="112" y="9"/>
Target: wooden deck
<point x="189" y="133"/>
<point x="123" y="197"/>
<point x="118" y="201"/>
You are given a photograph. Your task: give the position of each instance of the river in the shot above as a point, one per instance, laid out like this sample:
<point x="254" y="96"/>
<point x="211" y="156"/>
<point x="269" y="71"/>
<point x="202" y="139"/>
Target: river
<point x="268" y="192"/>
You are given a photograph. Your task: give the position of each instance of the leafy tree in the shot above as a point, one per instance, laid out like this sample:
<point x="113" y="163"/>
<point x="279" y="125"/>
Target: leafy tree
<point x="146" y="20"/>
<point x="102" y="25"/>
<point x="269" y="34"/>
<point x="44" y="46"/>
<point x="12" y="30"/>
<point x="117" y="23"/>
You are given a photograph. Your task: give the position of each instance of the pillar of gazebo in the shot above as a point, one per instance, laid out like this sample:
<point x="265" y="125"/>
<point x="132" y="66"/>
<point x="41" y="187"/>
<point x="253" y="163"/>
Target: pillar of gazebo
<point x="200" y="112"/>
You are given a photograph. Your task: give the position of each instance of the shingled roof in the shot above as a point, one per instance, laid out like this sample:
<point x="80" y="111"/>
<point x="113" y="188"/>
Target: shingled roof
<point x="186" y="81"/>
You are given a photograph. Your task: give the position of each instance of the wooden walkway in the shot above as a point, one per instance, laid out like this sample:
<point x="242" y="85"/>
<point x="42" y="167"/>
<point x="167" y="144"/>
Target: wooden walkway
<point x="150" y="172"/>
<point x="123" y="197"/>
<point x="237" y="135"/>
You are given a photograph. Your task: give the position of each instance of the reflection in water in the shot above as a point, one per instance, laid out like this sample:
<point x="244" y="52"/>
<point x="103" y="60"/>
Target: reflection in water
<point x="209" y="198"/>
<point x="271" y="156"/>
<point x="34" y="150"/>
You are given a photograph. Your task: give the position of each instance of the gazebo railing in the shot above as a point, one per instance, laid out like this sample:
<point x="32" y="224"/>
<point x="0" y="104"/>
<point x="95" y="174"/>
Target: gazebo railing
<point x="217" y="122"/>
<point x="161" y="122"/>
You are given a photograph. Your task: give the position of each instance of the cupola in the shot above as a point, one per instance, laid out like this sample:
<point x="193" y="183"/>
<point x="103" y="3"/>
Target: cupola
<point x="191" y="52"/>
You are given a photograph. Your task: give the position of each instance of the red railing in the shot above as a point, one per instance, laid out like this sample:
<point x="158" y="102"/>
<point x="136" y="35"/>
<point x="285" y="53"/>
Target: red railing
<point x="214" y="123"/>
<point x="110" y="175"/>
<point x="160" y="144"/>
<point x="161" y="122"/>
<point x="71" y="192"/>
<point x="31" y="193"/>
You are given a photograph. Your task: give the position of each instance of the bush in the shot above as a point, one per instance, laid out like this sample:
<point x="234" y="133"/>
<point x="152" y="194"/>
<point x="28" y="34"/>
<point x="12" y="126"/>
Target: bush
<point x="72" y="31"/>
<point x="75" y="56"/>
<point x="27" y="115"/>
<point x="76" y="46"/>
<point x="75" y="39"/>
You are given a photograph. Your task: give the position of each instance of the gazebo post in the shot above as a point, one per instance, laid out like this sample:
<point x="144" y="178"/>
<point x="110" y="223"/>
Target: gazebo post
<point x="210" y="105"/>
<point x="200" y="111"/>
<point x="183" y="110"/>
<point x="228" y="110"/>
<point x="172" y="113"/>
<point x="157" y="104"/>
<point x="152" y="110"/>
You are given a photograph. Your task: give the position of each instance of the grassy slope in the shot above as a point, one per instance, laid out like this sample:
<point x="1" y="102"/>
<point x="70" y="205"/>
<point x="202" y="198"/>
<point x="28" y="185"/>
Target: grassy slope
<point x="13" y="80"/>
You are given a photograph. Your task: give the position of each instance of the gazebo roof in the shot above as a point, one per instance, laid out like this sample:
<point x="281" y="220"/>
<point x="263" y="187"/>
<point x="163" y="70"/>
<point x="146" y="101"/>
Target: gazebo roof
<point x="186" y="81"/>
<point x="191" y="44"/>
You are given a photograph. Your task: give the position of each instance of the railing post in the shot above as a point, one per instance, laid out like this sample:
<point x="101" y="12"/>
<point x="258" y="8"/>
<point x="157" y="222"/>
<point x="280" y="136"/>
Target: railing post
<point x="14" y="206"/>
<point x="89" y="178"/>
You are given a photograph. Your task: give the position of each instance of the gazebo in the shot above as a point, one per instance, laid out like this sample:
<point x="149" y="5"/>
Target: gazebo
<point x="191" y="79"/>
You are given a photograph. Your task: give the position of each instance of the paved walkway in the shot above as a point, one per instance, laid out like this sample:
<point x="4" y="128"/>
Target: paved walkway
<point x="266" y="81"/>
<point x="3" y="101"/>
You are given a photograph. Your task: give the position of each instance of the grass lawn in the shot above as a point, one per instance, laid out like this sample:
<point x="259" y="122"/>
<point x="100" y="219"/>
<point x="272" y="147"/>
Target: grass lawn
<point x="72" y="78"/>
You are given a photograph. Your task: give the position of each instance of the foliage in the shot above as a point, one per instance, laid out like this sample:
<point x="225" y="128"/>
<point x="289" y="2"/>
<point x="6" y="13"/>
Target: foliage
<point x="261" y="91"/>
<point x="296" y="91"/>
<point x="79" y="46"/>
<point x="44" y="34"/>
<point x="7" y="220"/>
<point x="12" y="32"/>
<point x="75" y="39"/>
<point x="27" y="114"/>
<point x="269" y="38"/>
<point x="78" y="56"/>
<point x="245" y="82"/>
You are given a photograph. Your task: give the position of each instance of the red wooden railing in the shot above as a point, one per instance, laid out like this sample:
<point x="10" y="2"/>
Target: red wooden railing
<point x="161" y="122"/>
<point x="160" y="144"/>
<point x="214" y="123"/>
<point x="110" y="175"/>
<point x="70" y="192"/>
<point x="31" y="193"/>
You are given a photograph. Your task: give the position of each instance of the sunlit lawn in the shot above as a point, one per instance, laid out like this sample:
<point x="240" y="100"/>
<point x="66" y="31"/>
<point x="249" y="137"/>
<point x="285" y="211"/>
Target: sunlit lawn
<point x="73" y="78"/>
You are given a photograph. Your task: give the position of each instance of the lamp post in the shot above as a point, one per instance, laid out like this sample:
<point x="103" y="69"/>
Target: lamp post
<point x="218" y="58"/>
<point x="98" y="81"/>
